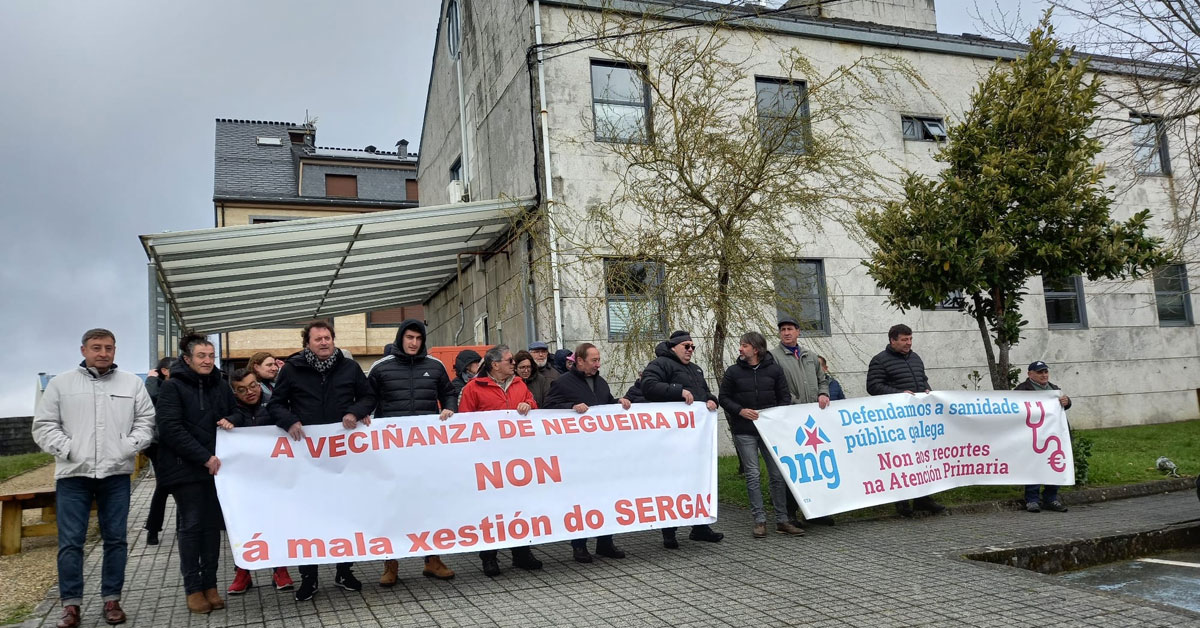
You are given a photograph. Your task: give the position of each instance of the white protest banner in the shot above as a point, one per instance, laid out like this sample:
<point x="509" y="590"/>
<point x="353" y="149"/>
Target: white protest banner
<point x="414" y="486"/>
<point x="878" y="450"/>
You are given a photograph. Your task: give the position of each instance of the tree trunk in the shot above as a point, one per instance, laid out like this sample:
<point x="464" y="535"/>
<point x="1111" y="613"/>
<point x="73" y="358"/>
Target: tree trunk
<point x="993" y="368"/>
<point x="721" y="320"/>
<point x="1003" y="367"/>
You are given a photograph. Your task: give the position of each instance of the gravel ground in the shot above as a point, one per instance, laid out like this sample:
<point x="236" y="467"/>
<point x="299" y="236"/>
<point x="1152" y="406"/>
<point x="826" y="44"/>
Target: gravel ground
<point x="28" y="575"/>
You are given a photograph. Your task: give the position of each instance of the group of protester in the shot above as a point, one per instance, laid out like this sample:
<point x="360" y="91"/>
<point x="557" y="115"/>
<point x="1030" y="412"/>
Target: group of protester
<point x="94" y="419"/>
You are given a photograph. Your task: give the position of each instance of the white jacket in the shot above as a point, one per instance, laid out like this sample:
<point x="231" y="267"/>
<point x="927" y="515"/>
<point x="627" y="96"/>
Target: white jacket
<point x="94" y="424"/>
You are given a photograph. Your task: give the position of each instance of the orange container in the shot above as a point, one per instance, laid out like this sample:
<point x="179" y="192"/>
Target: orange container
<point x="447" y="355"/>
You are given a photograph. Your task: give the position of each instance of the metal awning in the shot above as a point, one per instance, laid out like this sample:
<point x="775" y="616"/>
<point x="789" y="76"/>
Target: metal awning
<point x="251" y="276"/>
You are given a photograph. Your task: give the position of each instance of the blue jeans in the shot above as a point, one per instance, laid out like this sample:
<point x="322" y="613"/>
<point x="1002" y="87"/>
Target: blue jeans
<point x="1049" y="494"/>
<point x="73" y="503"/>
<point x="749" y="446"/>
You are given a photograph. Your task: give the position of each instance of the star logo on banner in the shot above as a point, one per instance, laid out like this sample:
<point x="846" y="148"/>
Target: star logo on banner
<point x="814" y="436"/>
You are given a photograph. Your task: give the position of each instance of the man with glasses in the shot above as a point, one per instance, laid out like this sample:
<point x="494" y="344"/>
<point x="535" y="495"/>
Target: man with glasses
<point x="496" y="388"/>
<point x="251" y="411"/>
<point x="672" y="376"/>
<point x="1039" y="379"/>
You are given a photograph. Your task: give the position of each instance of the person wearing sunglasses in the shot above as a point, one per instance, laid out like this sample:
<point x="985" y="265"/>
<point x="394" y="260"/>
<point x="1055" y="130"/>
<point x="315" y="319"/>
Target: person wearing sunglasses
<point x="672" y="376"/>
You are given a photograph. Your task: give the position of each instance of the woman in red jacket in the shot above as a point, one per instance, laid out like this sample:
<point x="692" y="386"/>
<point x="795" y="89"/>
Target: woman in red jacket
<point x="496" y="388"/>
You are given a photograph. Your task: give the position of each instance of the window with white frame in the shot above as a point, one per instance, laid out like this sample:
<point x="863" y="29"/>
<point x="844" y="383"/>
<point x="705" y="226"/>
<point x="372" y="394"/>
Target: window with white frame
<point x="1171" y="296"/>
<point x="782" y="114"/>
<point x="801" y="294"/>
<point x="620" y="103"/>
<point x="1065" y="308"/>
<point x="1150" y="154"/>
<point x="923" y="129"/>
<point x="634" y="298"/>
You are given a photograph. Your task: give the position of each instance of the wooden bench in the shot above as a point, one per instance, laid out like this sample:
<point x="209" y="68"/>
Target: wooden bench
<point x="12" y="527"/>
<point x="13" y="506"/>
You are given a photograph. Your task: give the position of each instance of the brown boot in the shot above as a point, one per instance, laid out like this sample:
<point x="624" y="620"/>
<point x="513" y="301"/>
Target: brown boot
<point x="435" y="568"/>
<point x="214" y="599"/>
<point x="113" y="614"/>
<point x="197" y="604"/>
<point x="390" y="573"/>
<point x="70" y="617"/>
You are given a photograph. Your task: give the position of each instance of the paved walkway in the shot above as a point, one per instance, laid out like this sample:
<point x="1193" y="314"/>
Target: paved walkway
<point x="867" y="573"/>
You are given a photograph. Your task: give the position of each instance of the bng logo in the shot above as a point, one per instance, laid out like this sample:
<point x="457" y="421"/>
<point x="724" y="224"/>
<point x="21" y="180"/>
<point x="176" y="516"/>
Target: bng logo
<point x="817" y="465"/>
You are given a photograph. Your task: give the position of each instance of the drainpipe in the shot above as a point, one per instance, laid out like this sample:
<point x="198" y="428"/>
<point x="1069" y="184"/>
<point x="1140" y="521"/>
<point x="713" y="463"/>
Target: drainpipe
<point x="548" y="198"/>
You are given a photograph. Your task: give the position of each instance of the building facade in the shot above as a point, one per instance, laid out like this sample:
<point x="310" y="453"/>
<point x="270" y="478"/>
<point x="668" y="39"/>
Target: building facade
<point x="504" y="121"/>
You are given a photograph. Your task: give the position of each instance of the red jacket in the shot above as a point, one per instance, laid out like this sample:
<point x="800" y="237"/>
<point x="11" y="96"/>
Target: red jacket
<point x="483" y="393"/>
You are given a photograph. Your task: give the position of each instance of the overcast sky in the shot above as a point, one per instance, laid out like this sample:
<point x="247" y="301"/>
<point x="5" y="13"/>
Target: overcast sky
<point x="106" y="118"/>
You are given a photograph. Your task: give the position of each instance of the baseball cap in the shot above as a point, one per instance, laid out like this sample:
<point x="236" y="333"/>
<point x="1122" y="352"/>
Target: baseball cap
<point x="1038" y="366"/>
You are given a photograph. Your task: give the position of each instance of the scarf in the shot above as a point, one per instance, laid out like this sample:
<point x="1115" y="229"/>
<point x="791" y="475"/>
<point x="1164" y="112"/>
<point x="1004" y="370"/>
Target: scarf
<point x="320" y="365"/>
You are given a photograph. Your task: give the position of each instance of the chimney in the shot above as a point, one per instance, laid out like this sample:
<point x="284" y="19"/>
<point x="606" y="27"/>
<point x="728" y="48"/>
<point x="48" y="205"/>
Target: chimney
<point x="402" y="149"/>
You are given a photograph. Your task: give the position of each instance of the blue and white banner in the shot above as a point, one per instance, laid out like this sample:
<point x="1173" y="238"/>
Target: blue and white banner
<point x="878" y="450"/>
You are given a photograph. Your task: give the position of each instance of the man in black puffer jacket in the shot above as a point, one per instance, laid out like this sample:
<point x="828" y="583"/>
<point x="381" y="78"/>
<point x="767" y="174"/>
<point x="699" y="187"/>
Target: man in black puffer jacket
<point x="319" y="386"/>
<point x="671" y="376"/>
<point x="757" y="382"/>
<point x="898" y="369"/>
<point x="189" y="405"/>
<point x="578" y="389"/>
<point x="409" y="382"/>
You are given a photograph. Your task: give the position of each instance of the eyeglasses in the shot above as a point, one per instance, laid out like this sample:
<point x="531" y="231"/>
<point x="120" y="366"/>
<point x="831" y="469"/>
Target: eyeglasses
<point x="509" y="360"/>
<point x="689" y="347"/>
<point x="245" y="389"/>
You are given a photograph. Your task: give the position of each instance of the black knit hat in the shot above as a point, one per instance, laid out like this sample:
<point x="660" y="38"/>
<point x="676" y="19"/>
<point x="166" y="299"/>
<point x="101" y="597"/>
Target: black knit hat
<point x="678" y="337"/>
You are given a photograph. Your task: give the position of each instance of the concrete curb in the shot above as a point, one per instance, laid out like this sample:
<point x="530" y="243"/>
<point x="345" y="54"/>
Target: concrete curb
<point x="1085" y="496"/>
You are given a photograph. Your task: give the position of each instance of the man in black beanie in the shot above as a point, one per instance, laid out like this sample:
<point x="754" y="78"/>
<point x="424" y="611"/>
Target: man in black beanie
<point x="672" y="376"/>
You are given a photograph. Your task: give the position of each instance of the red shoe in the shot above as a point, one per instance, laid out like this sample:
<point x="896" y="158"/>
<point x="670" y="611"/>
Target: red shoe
<point x="241" y="582"/>
<point x="283" y="582"/>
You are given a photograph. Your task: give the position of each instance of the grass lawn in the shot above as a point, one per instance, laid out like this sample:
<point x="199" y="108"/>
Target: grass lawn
<point x="1120" y="455"/>
<point x="20" y="463"/>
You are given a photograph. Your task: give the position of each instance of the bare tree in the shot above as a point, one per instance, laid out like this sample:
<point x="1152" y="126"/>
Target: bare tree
<point x="721" y="178"/>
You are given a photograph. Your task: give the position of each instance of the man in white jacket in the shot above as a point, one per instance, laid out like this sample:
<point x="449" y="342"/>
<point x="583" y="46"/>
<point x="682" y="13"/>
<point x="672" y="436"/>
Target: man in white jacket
<point x="93" y="419"/>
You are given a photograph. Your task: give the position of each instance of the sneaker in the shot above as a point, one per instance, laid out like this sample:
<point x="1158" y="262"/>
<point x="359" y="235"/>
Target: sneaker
<point x="241" y="582"/>
<point x="1033" y="507"/>
<point x="347" y="581"/>
<point x="283" y="581"/>
<point x="1056" y="506"/>
<point x="787" y="528"/>
<point x="491" y="567"/>
<point x="608" y="549"/>
<point x="903" y="509"/>
<point x="705" y="533"/>
<point x="581" y="554"/>
<point x="523" y="559"/>
<point x="308" y="588"/>
<point x="760" y="531"/>
<point x="928" y="505"/>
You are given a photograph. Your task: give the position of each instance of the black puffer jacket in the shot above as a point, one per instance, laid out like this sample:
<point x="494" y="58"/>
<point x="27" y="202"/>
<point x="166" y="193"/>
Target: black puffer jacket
<point x="311" y="398"/>
<point x="665" y="378"/>
<point x="465" y="358"/>
<point x="892" y="372"/>
<point x="572" y="388"/>
<point x="247" y="416"/>
<point x="409" y="385"/>
<point x="189" y="406"/>
<point x="757" y="387"/>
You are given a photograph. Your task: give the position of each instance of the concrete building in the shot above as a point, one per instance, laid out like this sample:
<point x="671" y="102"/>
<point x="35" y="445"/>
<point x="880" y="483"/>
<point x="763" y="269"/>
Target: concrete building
<point x="503" y="121"/>
<point x="270" y="172"/>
